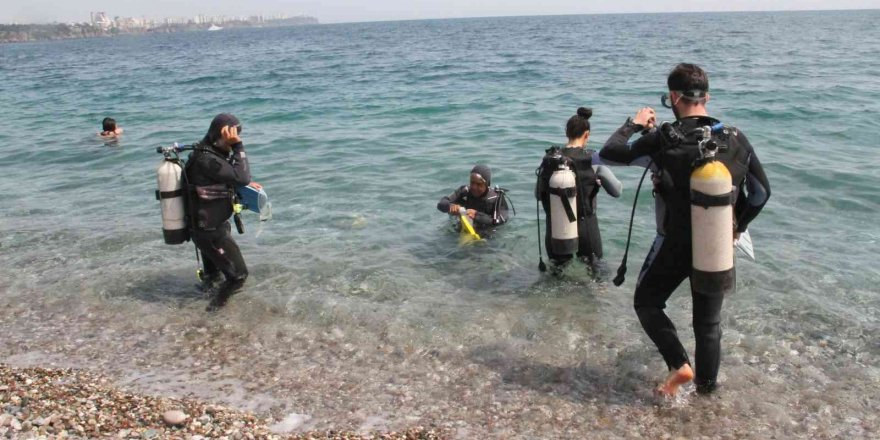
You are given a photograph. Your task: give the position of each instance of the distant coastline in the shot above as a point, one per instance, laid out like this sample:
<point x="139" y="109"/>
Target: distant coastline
<point x="22" y="33"/>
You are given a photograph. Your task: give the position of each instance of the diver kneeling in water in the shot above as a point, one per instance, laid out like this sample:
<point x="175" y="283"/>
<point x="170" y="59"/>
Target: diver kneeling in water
<point x="216" y="166"/>
<point x="484" y="205"/>
<point x="570" y="173"/>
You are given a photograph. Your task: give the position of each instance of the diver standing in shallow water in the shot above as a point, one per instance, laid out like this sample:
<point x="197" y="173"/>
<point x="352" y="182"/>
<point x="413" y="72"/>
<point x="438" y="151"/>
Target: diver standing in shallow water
<point x="215" y="167"/>
<point x="483" y="205"/>
<point x="588" y="177"/>
<point x="672" y="152"/>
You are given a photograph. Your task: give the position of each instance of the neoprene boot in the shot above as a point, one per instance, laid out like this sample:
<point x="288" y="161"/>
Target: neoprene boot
<point x="224" y="292"/>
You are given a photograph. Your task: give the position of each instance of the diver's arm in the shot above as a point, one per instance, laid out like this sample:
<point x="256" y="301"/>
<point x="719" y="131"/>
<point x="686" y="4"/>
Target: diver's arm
<point x="481" y="218"/>
<point x="641" y="161"/>
<point x="235" y="173"/>
<point x="618" y="150"/>
<point x="757" y="189"/>
<point x="609" y="181"/>
<point x="454" y="198"/>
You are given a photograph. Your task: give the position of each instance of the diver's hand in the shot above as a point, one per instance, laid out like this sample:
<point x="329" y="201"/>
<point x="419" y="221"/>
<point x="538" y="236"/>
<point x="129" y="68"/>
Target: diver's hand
<point x="230" y="135"/>
<point x="255" y="185"/>
<point x="472" y="213"/>
<point x="453" y="209"/>
<point x="646" y="117"/>
<point x="657" y="182"/>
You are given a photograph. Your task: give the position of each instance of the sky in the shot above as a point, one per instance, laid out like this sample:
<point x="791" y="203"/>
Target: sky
<point x="337" y="11"/>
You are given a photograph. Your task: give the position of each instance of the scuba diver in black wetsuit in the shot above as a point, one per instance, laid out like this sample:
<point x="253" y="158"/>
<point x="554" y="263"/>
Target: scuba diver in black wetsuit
<point x="588" y="177"/>
<point x="484" y="205"/>
<point x="216" y="165"/>
<point x="672" y="152"/>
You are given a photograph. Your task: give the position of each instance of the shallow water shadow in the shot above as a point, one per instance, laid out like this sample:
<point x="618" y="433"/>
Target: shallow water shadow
<point x="583" y="382"/>
<point x="173" y="290"/>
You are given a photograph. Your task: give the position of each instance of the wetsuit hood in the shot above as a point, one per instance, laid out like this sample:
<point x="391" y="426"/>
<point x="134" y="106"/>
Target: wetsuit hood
<point x="220" y="121"/>
<point x="484" y="172"/>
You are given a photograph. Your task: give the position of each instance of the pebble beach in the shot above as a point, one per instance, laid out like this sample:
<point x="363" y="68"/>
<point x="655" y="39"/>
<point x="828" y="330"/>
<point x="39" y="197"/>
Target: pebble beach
<point x="67" y="403"/>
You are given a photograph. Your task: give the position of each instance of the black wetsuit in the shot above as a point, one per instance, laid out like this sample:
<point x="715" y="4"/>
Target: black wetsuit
<point x="670" y="260"/>
<point x="491" y="208"/>
<point x="587" y="181"/>
<point x="212" y="177"/>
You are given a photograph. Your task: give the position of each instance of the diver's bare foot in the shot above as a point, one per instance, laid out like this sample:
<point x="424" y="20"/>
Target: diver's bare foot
<point x="675" y="379"/>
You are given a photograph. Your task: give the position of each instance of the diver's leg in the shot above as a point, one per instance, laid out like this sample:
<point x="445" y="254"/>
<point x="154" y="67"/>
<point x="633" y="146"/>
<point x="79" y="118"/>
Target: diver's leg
<point x="559" y="262"/>
<point x="660" y="276"/>
<point x="211" y="274"/>
<point x="590" y="246"/>
<point x="230" y="261"/>
<point x="589" y="239"/>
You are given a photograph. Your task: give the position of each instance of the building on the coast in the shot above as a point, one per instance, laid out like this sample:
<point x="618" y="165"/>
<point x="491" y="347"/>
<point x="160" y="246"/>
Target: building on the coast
<point x="129" y="23"/>
<point x="100" y="20"/>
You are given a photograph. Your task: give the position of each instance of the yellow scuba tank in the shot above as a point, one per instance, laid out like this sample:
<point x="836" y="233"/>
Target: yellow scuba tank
<point x="712" y="199"/>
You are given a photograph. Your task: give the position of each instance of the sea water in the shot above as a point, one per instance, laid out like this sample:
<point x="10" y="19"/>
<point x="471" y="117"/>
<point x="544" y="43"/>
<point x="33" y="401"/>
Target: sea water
<point x="361" y="310"/>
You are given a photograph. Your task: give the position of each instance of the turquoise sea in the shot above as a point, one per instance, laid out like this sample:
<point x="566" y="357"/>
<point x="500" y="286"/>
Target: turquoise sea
<point x="362" y="312"/>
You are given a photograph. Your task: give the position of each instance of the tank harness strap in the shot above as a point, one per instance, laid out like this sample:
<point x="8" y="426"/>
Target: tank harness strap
<point x="588" y="200"/>
<point x="214" y="192"/>
<point x="706" y="201"/>
<point x="169" y="194"/>
<point x="564" y="194"/>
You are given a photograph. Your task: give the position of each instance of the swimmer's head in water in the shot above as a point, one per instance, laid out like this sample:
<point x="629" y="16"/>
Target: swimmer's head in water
<point x="108" y="124"/>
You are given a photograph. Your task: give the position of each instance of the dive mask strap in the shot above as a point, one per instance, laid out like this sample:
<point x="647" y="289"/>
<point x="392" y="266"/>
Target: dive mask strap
<point x="695" y="95"/>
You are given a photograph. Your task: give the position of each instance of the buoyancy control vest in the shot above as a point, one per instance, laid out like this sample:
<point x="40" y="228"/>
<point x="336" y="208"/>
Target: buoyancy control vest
<point x="490" y="203"/>
<point x="678" y="158"/>
<point x="210" y="203"/>
<point x="587" y="181"/>
<point x="566" y="187"/>
<point x="713" y="196"/>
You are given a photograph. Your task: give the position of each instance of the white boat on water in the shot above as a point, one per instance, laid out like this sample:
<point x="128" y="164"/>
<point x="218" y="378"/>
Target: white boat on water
<point x="214" y="27"/>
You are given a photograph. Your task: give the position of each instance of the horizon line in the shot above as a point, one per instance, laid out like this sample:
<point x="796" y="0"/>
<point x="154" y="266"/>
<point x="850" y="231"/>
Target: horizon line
<point x="390" y="20"/>
<point x="602" y="13"/>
